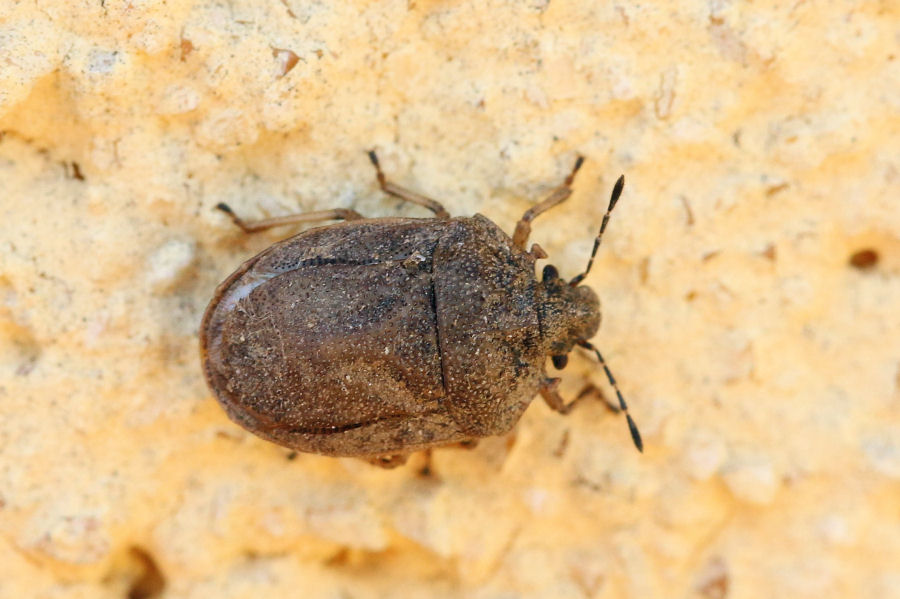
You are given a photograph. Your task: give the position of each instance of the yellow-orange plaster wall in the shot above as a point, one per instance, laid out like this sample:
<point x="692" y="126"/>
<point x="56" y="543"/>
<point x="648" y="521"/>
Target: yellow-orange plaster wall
<point x="761" y="147"/>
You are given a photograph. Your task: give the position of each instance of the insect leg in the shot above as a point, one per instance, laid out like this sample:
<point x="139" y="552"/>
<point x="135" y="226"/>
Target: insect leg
<point x="589" y="391"/>
<point x="406" y="194"/>
<point x="388" y="461"/>
<point x="549" y="391"/>
<point x="291" y="219"/>
<point x="556" y="197"/>
<point x="427" y="469"/>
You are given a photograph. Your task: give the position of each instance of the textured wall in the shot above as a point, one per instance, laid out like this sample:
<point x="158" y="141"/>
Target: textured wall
<point x="760" y="350"/>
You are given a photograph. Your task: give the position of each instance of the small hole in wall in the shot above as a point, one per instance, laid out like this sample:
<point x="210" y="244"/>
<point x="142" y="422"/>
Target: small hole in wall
<point x="864" y="259"/>
<point x="714" y="580"/>
<point x="150" y="581"/>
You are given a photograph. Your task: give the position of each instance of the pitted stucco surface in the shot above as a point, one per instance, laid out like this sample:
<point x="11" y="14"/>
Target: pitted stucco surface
<point x="761" y="147"/>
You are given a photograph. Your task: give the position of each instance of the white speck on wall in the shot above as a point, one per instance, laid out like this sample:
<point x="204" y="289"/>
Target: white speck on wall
<point x="178" y="99"/>
<point x="751" y="478"/>
<point x="169" y="262"/>
<point x="101" y="61"/>
<point x="704" y="453"/>
<point x="882" y="450"/>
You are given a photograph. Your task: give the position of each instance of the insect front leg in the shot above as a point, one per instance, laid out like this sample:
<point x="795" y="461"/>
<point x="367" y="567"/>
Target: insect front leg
<point x="556" y="197"/>
<point x="590" y="391"/>
<point x="550" y="392"/>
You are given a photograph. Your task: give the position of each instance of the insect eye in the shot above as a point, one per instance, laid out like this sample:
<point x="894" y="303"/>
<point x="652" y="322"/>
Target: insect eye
<point x="559" y="362"/>
<point x="549" y="273"/>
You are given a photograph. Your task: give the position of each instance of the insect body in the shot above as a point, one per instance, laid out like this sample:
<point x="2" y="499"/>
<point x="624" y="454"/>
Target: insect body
<point x="379" y="337"/>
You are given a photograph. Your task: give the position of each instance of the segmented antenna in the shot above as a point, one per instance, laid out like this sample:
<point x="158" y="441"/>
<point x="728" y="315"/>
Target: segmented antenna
<point x="635" y="434"/>
<point x="616" y="192"/>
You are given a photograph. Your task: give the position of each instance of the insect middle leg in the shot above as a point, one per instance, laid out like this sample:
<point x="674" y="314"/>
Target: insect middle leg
<point x="556" y="197"/>
<point x="388" y="461"/>
<point x="406" y="194"/>
<point x="427" y="468"/>
<point x="290" y="219"/>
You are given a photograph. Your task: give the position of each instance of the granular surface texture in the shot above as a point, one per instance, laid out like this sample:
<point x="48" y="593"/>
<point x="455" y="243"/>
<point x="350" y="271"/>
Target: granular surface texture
<point x="749" y="279"/>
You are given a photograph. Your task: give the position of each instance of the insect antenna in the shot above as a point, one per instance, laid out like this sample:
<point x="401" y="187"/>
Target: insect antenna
<point x="632" y="427"/>
<point x="616" y="192"/>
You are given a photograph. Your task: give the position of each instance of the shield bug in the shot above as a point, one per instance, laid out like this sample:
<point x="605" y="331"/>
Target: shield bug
<point x="379" y="337"/>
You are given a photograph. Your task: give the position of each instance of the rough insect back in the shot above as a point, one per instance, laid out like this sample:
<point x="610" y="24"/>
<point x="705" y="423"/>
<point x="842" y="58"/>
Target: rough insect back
<point x="379" y="337"/>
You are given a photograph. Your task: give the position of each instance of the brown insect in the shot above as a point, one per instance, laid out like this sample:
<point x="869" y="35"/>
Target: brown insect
<point x="379" y="337"/>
